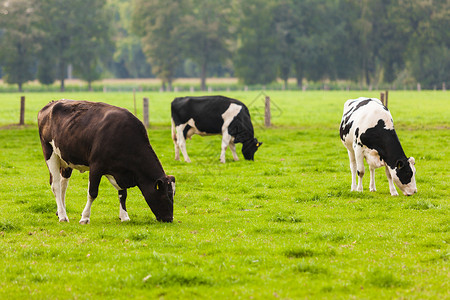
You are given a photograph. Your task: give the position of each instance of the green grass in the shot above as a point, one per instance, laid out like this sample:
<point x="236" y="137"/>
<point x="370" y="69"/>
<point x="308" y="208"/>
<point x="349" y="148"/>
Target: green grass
<point x="284" y="226"/>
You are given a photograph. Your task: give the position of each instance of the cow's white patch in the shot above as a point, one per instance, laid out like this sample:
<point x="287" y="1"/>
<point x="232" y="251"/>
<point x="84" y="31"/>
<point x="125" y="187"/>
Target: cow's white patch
<point x="65" y="164"/>
<point x="228" y="116"/>
<point x="113" y="181"/>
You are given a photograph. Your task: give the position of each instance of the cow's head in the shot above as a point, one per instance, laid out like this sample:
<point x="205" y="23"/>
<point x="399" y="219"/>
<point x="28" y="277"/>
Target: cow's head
<point x="161" y="200"/>
<point x="404" y="175"/>
<point x="249" y="148"/>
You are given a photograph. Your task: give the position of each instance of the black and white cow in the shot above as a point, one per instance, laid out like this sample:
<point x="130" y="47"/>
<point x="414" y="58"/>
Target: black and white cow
<point x="211" y="115"/>
<point x="367" y="131"/>
<point x="104" y="140"/>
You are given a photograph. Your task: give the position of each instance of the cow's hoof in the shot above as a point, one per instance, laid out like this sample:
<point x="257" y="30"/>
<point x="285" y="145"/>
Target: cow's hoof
<point x="65" y="219"/>
<point x="125" y="219"/>
<point x="84" y="221"/>
<point x="188" y="160"/>
<point x="394" y="194"/>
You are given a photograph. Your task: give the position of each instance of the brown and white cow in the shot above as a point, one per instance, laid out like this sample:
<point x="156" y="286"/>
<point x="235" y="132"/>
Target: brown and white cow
<point x="367" y="131"/>
<point x="104" y="140"/>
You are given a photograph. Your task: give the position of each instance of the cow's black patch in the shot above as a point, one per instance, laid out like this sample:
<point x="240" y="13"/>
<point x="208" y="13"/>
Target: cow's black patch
<point x="404" y="171"/>
<point x="186" y="129"/>
<point x="362" y="103"/>
<point x="344" y="130"/>
<point x="357" y="132"/>
<point x="385" y="142"/>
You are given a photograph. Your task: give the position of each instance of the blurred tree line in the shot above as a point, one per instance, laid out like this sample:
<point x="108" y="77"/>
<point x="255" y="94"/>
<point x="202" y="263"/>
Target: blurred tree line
<point x="258" y="41"/>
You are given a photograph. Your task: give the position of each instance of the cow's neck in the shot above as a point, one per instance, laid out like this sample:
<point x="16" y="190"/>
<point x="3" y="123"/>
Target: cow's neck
<point x="385" y="141"/>
<point x="390" y="149"/>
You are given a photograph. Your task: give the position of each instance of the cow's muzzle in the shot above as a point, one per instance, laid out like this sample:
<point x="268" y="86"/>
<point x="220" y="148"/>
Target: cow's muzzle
<point x="165" y="219"/>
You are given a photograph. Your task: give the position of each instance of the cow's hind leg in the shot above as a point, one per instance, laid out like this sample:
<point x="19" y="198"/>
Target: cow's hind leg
<point x="65" y="176"/>
<point x="359" y="156"/>
<point x="351" y="156"/>
<point x="58" y="185"/>
<point x="94" y="182"/>
<point x="181" y="141"/>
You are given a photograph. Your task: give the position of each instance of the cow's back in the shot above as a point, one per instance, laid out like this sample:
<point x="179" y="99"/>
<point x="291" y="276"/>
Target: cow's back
<point x="205" y="111"/>
<point x="82" y="130"/>
<point x="361" y="114"/>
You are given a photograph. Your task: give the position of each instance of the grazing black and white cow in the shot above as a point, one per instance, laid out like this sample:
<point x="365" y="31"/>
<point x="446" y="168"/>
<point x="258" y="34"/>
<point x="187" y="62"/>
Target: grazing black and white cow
<point x="104" y="140"/>
<point x="211" y="115"/>
<point x="367" y="131"/>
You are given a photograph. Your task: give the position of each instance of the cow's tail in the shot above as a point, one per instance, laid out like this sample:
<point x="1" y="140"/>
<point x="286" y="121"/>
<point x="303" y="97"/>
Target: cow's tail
<point x="174" y="132"/>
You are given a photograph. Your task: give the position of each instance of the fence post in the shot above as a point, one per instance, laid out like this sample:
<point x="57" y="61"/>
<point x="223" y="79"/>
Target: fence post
<point x="22" y="110"/>
<point x="267" y="112"/>
<point x="419" y="88"/>
<point x="382" y="98"/>
<point x="386" y="94"/>
<point x="146" y="113"/>
<point x="443" y="87"/>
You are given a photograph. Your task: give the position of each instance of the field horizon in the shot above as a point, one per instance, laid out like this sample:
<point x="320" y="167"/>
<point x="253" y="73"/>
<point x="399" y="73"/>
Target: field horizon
<point x="283" y="226"/>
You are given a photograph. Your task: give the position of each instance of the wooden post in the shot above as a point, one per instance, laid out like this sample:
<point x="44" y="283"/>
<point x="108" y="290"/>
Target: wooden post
<point x="382" y="98"/>
<point x="386" y="94"/>
<point x="267" y="112"/>
<point x="443" y="87"/>
<point x="419" y="88"/>
<point x="146" y="114"/>
<point x="22" y="110"/>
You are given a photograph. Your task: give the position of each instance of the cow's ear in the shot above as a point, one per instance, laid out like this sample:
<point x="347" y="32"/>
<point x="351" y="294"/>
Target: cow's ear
<point x="400" y="164"/>
<point x="258" y="144"/>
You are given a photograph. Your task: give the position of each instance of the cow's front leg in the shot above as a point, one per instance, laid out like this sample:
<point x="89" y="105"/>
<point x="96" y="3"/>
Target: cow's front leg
<point x="233" y="150"/>
<point x="226" y="138"/>
<point x="392" y="188"/>
<point x="94" y="181"/>
<point x="54" y="167"/>
<point x="123" y="215"/>
<point x="359" y="156"/>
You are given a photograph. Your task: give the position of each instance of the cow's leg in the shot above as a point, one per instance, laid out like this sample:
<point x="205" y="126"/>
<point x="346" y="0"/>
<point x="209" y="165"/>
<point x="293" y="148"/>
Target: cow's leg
<point x="392" y="188"/>
<point x="65" y="176"/>
<point x="54" y="166"/>
<point x="94" y="182"/>
<point x="372" y="187"/>
<point x="181" y="141"/>
<point x="233" y="150"/>
<point x="359" y="156"/>
<point x="174" y="139"/>
<point x="351" y="156"/>
<point x="226" y="138"/>
<point x="123" y="215"/>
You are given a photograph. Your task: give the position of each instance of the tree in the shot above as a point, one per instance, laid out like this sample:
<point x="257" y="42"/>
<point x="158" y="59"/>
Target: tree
<point x="255" y="60"/>
<point x="18" y="39"/>
<point x="206" y="33"/>
<point x="157" y="23"/>
<point x="74" y="33"/>
<point x="129" y="60"/>
<point x="93" y="43"/>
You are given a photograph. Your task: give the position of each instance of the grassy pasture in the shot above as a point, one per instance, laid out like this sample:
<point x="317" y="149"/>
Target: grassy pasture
<point x="284" y="226"/>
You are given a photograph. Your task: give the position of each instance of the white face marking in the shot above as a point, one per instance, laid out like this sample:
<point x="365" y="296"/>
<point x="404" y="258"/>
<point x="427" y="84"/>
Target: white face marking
<point x="173" y="188"/>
